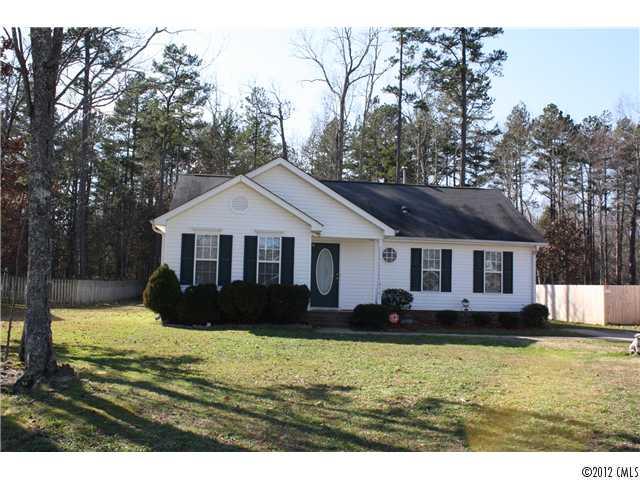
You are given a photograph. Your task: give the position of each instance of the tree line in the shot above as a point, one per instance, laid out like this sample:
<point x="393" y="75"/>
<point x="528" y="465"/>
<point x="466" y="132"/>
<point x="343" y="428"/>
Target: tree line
<point x="123" y="134"/>
<point x="116" y="167"/>
<point x="93" y="140"/>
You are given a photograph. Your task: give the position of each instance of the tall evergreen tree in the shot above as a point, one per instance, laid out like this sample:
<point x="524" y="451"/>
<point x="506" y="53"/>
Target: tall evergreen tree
<point x="457" y="64"/>
<point x="511" y="159"/>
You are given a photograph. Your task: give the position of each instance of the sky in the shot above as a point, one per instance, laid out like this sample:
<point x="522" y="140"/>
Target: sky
<point x="583" y="71"/>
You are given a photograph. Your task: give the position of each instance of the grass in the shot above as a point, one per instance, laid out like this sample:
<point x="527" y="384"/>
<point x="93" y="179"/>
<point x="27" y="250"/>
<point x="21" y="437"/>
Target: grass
<point x="146" y="387"/>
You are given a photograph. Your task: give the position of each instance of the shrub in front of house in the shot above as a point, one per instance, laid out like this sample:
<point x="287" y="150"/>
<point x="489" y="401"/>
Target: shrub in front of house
<point x="199" y="305"/>
<point x="481" y="319"/>
<point x="397" y="299"/>
<point x="286" y="303"/>
<point x="447" y="318"/>
<point x="535" y="315"/>
<point x="508" y="320"/>
<point x="242" y="302"/>
<point x="370" y="316"/>
<point x="162" y="293"/>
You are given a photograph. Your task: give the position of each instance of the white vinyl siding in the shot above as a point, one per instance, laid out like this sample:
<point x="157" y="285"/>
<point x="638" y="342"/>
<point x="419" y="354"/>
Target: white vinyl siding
<point x="398" y="275"/>
<point x="262" y="215"/>
<point x="269" y="249"/>
<point x="338" y="220"/>
<point x="206" y="259"/>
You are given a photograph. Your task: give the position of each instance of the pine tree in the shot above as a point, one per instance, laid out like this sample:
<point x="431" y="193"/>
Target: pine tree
<point x="511" y="159"/>
<point x="456" y="63"/>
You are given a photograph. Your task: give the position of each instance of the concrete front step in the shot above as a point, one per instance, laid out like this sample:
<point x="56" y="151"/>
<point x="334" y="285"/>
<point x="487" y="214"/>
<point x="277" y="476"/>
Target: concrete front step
<point x="327" y="318"/>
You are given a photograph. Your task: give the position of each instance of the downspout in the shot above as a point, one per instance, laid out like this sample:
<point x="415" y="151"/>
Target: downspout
<point x="533" y="274"/>
<point x="378" y="271"/>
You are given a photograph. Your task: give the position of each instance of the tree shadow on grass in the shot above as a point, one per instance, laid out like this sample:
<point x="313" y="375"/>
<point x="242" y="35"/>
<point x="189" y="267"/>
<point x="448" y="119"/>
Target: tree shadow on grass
<point x="392" y="338"/>
<point x="15" y="437"/>
<point x="159" y="403"/>
<point x="18" y="313"/>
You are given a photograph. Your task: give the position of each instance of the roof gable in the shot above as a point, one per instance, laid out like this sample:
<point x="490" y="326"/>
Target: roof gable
<point x="222" y="186"/>
<point x="388" y="230"/>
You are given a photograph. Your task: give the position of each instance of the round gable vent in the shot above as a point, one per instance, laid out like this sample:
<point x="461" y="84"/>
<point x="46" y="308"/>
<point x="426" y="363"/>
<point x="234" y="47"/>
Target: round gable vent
<point x="239" y="204"/>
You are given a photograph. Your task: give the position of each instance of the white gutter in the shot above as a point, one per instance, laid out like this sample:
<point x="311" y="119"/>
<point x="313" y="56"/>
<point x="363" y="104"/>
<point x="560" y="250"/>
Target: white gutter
<point x="463" y="241"/>
<point x="161" y="229"/>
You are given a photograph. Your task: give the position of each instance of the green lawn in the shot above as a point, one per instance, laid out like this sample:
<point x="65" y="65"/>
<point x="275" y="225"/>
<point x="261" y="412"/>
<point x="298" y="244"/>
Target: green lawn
<point x="146" y="387"/>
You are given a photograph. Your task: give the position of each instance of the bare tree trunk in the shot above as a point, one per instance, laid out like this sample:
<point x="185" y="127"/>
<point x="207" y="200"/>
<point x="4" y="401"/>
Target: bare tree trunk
<point x="399" y="126"/>
<point x="633" y="226"/>
<point x="620" y="227"/>
<point x="340" y="135"/>
<point x="81" y="233"/>
<point x="463" y="108"/>
<point x="283" y="140"/>
<point x="39" y="357"/>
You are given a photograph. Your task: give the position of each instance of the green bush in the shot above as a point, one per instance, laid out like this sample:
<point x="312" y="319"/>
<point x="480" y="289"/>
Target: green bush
<point x="162" y="293"/>
<point x="199" y="305"/>
<point x="370" y="315"/>
<point x="397" y="299"/>
<point x="508" y="320"/>
<point x="242" y="302"/>
<point x="286" y="303"/>
<point x="448" y="318"/>
<point x="481" y="319"/>
<point x="535" y="315"/>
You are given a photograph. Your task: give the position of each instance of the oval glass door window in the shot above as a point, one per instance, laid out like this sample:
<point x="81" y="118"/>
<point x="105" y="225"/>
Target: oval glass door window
<point x="324" y="271"/>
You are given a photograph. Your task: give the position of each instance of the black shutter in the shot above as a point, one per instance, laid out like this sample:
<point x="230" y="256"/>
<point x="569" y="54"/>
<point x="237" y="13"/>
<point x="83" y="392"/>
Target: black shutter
<point x="186" y="258"/>
<point x="507" y="272"/>
<point x="286" y="260"/>
<point x="478" y="271"/>
<point x="445" y="270"/>
<point x="224" y="257"/>
<point x="416" y="270"/>
<point x="250" y="258"/>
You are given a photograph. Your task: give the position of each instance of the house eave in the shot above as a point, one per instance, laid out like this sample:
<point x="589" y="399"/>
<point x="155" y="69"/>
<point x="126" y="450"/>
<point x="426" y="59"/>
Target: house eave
<point x="466" y="241"/>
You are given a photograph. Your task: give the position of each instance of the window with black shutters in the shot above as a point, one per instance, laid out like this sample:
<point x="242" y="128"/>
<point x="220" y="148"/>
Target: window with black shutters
<point x="269" y="249"/>
<point x="206" y="259"/>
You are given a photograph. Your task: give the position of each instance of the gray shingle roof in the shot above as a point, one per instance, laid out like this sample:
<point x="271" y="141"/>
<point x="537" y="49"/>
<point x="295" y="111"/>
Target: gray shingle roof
<point x="189" y="187"/>
<point x="412" y="210"/>
<point x="440" y="212"/>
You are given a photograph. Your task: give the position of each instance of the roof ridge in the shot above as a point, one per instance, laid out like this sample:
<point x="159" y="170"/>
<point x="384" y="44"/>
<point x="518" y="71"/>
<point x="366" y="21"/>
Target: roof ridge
<point x="205" y="175"/>
<point x="411" y="185"/>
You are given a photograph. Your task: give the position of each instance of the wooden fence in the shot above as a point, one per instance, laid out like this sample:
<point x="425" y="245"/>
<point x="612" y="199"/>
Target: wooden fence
<point x="71" y="292"/>
<point x="595" y="304"/>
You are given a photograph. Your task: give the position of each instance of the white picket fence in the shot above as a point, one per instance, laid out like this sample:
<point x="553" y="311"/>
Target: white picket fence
<point x="72" y="292"/>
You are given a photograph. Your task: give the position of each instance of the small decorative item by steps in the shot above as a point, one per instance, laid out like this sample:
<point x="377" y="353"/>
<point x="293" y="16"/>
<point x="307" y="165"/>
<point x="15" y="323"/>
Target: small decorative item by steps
<point x="465" y="305"/>
<point x="394" y="318"/>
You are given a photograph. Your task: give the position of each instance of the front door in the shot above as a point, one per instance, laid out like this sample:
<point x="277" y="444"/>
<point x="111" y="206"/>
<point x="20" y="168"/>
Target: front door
<point x="325" y="273"/>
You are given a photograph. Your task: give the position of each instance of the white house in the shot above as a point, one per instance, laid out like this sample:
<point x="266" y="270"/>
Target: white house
<point x="349" y="241"/>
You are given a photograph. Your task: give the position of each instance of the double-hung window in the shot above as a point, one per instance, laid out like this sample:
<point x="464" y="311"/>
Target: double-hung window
<point x="493" y="272"/>
<point x="431" y="262"/>
<point x="206" y="259"/>
<point x="269" y="260"/>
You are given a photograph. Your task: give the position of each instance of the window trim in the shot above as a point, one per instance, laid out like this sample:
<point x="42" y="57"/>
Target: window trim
<point x="258" y="261"/>
<point x="422" y="270"/>
<point x="195" y="255"/>
<point x="485" y="271"/>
